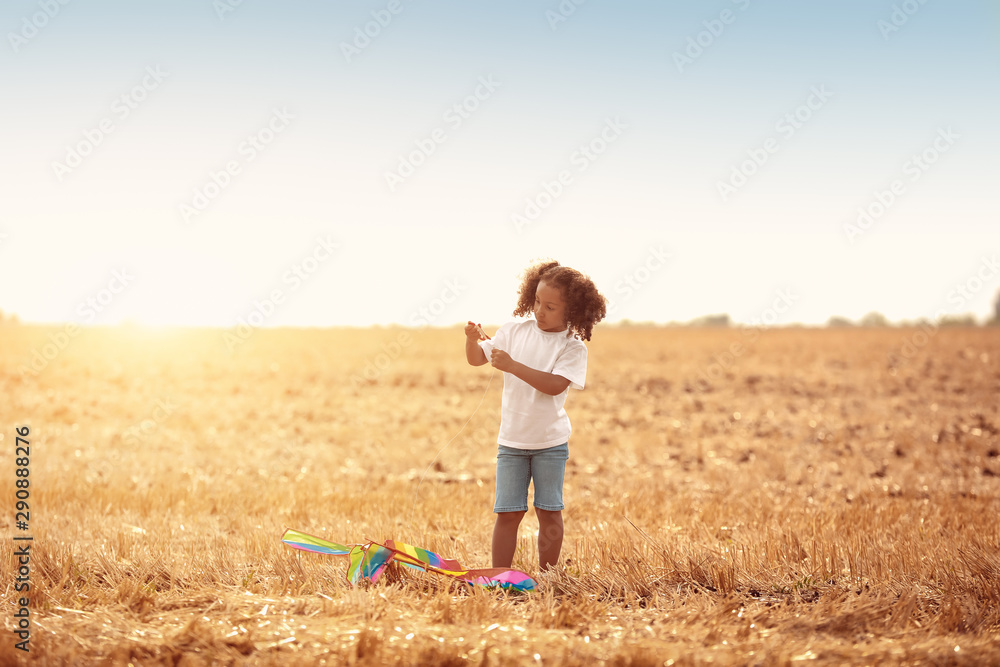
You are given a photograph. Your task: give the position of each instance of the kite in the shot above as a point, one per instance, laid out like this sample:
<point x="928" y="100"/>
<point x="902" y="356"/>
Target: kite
<point x="369" y="561"/>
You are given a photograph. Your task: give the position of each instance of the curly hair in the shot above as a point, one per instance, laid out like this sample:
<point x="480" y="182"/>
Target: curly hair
<point x="585" y="306"/>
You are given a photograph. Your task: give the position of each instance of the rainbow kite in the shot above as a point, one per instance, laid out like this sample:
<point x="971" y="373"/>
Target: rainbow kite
<point x="369" y="561"/>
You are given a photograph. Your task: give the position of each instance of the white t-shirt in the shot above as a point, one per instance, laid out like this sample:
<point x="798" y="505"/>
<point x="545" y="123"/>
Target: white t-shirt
<point x="530" y="419"/>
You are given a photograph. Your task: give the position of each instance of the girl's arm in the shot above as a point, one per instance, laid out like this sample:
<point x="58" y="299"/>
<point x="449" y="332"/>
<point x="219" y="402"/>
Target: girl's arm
<point x="473" y="353"/>
<point x="547" y="383"/>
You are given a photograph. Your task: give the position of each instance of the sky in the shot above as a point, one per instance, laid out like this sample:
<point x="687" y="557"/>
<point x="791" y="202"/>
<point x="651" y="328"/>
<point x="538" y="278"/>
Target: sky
<point x="211" y="162"/>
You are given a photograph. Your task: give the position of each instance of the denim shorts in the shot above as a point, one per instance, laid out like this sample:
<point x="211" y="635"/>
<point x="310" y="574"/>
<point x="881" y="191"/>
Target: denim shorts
<point x="517" y="467"/>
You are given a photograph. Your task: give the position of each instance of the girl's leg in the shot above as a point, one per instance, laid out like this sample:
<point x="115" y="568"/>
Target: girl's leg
<point x="548" y="468"/>
<point x="513" y="477"/>
<point x="550" y="537"/>
<point x="505" y="537"/>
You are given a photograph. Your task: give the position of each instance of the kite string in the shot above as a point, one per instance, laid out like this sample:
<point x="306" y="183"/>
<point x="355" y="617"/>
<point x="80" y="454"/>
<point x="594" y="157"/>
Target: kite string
<point x="420" y="483"/>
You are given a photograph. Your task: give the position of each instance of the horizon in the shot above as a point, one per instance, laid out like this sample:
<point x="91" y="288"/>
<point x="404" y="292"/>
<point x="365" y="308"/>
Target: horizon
<point x="710" y="321"/>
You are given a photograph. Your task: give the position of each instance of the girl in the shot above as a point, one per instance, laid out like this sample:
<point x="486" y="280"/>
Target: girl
<point x="541" y="358"/>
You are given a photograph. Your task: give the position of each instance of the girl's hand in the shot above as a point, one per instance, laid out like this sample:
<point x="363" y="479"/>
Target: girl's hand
<point x="474" y="332"/>
<point x="501" y="360"/>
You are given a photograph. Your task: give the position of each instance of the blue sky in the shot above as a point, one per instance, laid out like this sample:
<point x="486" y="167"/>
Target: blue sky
<point x="745" y="164"/>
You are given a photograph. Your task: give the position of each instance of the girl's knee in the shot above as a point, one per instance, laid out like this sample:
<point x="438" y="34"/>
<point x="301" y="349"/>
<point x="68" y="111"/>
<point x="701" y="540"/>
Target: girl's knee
<point x="510" y="517"/>
<point x="548" y="515"/>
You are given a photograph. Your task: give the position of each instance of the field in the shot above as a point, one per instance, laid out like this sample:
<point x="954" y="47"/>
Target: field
<point x="825" y="496"/>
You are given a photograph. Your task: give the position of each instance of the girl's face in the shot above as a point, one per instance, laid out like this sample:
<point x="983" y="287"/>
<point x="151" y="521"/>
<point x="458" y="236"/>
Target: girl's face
<point x="550" y="308"/>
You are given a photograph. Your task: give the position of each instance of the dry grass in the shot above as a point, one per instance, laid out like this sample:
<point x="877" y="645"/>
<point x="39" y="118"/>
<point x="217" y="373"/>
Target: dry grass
<point x="822" y="499"/>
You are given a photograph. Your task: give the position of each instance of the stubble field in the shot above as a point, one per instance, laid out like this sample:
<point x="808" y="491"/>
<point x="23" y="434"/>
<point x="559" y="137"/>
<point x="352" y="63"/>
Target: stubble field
<point x="817" y="496"/>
